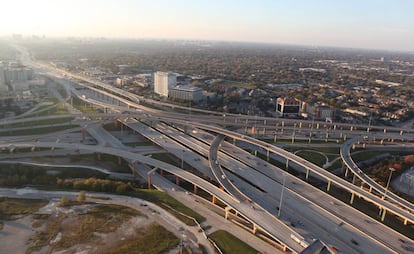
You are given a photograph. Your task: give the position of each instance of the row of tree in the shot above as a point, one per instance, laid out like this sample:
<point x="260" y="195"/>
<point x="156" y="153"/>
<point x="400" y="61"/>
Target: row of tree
<point x="95" y="184"/>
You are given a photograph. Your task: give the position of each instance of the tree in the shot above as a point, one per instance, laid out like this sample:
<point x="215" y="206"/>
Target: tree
<point x="81" y="197"/>
<point x="64" y="201"/>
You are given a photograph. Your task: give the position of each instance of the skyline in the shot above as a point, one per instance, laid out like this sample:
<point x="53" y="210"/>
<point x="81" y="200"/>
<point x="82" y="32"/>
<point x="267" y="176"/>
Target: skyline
<point x="354" y="24"/>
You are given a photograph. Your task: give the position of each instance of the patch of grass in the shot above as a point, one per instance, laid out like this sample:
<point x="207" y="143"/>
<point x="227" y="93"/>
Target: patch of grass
<point x="162" y="198"/>
<point x="43" y="122"/>
<point x="167" y="158"/>
<point x="35" y="131"/>
<point x="313" y="157"/>
<point x="365" y="155"/>
<point x="156" y="239"/>
<point x="11" y="207"/>
<point x="228" y="243"/>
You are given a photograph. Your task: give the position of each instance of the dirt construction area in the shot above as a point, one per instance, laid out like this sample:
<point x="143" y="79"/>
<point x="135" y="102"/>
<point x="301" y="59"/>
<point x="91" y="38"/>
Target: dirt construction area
<point x="91" y="228"/>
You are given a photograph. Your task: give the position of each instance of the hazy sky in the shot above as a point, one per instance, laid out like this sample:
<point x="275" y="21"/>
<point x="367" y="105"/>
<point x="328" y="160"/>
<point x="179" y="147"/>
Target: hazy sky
<point x="350" y="23"/>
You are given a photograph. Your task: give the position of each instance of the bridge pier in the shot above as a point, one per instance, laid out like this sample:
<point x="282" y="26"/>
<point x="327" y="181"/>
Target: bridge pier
<point x="287" y="163"/>
<point x="370" y="189"/>
<point x="149" y="181"/>
<point x="213" y="199"/>
<point x="384" y="212"/>
<point x="254" y="229"/>
<point x="405" y="222"/>
<point x="268" y="155"/>
<point x="83" y="134"/>
<point x="177" y="180"/>
<point x="353" y="179"/>
<point x="346" y="172"/>
<point x="307" y="174"/>
<point x="195" y="189"/>
<point x="352" y="198"/>
<point x="328" y="188"/>
<point x="227" y="212"/>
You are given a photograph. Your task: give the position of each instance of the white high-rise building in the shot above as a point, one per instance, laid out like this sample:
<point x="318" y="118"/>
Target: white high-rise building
<point x="163" y="81"/>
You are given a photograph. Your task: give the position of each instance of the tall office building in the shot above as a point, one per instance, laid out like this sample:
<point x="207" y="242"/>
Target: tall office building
<point x="163" y="81"/>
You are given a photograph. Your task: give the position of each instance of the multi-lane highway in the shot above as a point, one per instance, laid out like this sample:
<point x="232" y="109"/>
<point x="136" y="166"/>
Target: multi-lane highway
<point x="252" y="186"/>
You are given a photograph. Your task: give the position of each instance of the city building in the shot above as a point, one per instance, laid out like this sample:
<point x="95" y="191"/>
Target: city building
<point x="317" y="111"/>
<point x="3" y="85"/>
<point x="287" y="107"/>
<point x="13" y="75"/>
<point x="163" y="81"/>
<point x="186" y="92"/>
<point x="121" y="82"/>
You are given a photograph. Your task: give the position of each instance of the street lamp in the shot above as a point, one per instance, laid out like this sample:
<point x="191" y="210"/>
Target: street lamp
<point x="388" y="183"/>
<point x="281" y="196"/>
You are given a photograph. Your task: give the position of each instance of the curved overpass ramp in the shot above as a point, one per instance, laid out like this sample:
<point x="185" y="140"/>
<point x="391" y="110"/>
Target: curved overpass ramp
<point x="278" y="230"/>
<point x="352" y="165"/>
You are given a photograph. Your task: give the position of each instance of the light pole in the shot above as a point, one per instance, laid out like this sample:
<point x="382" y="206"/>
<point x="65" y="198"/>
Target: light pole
<point x="388" y="183"/>
<point x="281" y="196"/>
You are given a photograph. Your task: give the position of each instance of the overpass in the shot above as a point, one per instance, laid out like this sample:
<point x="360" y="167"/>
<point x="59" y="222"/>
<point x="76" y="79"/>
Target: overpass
<point x="274" y="228"/>
<point x="351" y="165"/>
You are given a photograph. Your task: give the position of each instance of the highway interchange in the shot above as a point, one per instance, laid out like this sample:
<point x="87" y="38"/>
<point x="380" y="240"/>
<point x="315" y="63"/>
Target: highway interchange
<point x="252" y="185"/>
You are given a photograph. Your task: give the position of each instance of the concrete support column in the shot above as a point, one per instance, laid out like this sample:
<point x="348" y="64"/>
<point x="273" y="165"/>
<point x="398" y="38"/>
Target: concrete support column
<point x="268" y="155"/>
<point x="213" y="200"/>
<point x="287" y="163"/>
<point x="254" y="229"/>
<point x="307" y="174"/>
<point x="352" y="198"/>
<point x="177" y="180"/>
<point x="328" y="188"/>
<point x="161" y="172"/>
<point x="227" y="212"/>
<point x="195" y="189"/>
<point x="384" y="212"/>
<point x="346" y="172"/>
<point x="353" y="179"/>
<point x="405" y="222"/>
<point x="149" y="181"/>
<point x="370" y="189"/>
